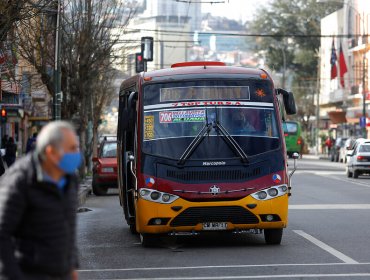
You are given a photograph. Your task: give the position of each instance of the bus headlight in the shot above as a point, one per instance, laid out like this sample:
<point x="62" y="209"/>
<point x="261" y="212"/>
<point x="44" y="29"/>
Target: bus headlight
<point x="157" y="196"/>
<point x="270" y="193"/>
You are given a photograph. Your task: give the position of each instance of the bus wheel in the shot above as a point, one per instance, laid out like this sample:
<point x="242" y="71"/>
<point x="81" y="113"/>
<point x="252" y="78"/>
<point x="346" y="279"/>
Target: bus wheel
<point x="273" y="236"/>
<point x="148" y="240"/>
<point x="133" y="229"/>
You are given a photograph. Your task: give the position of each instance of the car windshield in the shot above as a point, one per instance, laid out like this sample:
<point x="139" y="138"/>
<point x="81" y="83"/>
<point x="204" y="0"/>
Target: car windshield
<point x="109" y="150"/>
<point x="364" y="148"/>
<point x="169" y="128"/>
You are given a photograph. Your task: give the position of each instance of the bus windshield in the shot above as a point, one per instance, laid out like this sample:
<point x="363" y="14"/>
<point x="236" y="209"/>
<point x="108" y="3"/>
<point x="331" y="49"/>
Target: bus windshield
<point x="169" y="125"/>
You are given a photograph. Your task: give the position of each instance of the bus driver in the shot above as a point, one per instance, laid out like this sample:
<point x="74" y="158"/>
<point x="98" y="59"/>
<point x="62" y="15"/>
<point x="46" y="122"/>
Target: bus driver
<point x="243" y="121"/>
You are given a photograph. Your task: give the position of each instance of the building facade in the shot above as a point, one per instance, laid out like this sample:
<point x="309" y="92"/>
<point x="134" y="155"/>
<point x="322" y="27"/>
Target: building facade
<point x="344" y="97"/>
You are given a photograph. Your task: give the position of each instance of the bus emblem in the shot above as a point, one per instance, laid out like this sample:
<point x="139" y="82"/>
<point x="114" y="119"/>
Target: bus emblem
<point x="276" y="178"/>
<point x="214" y="190"/>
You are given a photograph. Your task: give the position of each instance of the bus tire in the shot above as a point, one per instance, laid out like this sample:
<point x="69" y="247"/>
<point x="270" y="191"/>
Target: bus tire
<point x="273" y="236"/>
<point x="355" y="174"/>
<point x="148" y="240"/>
<point x="133" y="229"/>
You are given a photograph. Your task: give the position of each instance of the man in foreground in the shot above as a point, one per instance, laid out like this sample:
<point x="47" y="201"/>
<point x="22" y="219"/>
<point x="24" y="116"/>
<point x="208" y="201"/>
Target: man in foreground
<point x="38" y="200"/>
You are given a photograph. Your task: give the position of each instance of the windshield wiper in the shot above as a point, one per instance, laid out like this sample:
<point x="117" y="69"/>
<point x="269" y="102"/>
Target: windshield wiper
<point x="195" y="143"/>
<point x="229" y="139"/>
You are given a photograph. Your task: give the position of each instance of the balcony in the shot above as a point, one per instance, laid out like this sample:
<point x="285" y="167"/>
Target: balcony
<point x="336" y="95"/>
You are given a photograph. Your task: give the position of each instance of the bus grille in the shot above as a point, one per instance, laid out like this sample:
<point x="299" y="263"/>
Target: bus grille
<point x="213" y="175"/>
<point x="233" y="214"/>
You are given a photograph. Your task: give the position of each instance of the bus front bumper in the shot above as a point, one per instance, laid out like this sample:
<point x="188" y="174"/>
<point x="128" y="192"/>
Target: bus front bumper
<point x="183" y="216"/>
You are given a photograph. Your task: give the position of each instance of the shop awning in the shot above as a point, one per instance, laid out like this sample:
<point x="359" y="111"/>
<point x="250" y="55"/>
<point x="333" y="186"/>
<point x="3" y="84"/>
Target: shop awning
<point x="337" y="117"/>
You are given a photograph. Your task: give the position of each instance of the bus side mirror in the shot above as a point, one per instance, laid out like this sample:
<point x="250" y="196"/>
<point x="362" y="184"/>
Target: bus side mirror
<point x="132" y="100"/>
<point x="289" y="104"/>
<point x="288" y="100"/>
<point x="128" y="114"/>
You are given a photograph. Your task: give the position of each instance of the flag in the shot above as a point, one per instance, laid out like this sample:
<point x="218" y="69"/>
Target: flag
<point x="333" y="62"/>
<point x="342" y="65"/>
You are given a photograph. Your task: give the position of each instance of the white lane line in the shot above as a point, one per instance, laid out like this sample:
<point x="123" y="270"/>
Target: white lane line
<point x="215" y="267"/>
<point x="329" y="206"/>
<point x="284" y="276"/>
<point x="326" y="247"/>
<point x="330" y="175"/>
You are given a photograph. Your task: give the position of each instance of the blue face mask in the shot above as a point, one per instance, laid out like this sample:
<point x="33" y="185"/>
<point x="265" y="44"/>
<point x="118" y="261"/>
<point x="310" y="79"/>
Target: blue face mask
<point x="70" y="162"/>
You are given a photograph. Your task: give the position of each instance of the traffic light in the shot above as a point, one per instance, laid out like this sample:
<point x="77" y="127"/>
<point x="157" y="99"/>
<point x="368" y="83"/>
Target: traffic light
<point x="4" y="115"/>
<point x="139" y="62"/>
<point x="147" y="48"/>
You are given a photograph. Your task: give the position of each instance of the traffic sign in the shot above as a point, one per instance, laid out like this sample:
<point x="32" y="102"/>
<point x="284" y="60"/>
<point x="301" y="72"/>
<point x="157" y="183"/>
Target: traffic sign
<point x="363" y="122"/>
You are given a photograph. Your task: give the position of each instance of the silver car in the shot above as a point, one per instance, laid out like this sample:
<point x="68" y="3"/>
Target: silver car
<point x="359" y="159"/>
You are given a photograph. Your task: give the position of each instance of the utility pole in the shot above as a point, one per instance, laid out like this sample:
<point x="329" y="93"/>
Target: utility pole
<point x="317" y="130"/>
<point x="57" y="75"/>
<point x="364" y="131"/>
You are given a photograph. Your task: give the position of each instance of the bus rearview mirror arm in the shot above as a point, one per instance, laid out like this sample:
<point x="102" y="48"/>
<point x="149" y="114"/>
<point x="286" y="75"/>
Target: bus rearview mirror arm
<point x="131" y="160"/>
<point x="295" y="157"/>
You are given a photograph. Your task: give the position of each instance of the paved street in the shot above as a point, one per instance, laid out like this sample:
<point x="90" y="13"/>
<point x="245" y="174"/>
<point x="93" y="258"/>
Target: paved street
<point x="327" y="238"/>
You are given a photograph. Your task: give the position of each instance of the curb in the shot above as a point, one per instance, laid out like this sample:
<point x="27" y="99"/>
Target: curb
<point x="84" y="190"/>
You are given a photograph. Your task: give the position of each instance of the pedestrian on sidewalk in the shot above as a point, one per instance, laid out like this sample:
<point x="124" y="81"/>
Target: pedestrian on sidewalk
<point x="4" y="140"/>
<point x="329" y="143"/>
<point x="38" y="197"/>
<point x="10" y="152"/>
<point x="31" y="143"/>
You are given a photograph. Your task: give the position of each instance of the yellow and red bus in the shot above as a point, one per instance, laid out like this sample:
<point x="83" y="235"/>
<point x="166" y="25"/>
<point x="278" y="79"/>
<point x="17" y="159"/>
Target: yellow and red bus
<point x="201" y="148"/>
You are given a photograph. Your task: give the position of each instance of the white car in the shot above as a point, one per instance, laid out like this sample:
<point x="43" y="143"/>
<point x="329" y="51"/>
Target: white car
<point x="359" y="159"/>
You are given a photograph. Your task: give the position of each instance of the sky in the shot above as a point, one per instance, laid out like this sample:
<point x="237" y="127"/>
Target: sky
<point x="236" y="9"/>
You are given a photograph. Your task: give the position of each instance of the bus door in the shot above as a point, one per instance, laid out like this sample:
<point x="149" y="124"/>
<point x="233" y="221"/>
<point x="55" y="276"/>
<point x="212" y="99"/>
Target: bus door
<point x="127" y="142"/>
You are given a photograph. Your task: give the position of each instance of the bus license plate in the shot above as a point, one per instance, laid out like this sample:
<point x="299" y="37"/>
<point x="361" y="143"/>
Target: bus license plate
<point x="214" y="226"/>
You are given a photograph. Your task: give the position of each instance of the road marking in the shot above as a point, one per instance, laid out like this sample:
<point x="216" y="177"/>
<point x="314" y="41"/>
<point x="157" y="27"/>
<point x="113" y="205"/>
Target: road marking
<point x="352" y="181"/>
<point x="284" y="276"/>
<point x="327" y="174"/>
<point x="326" y="247"/>
<point x="329" y="206"/>
<point x="216" y="267"/>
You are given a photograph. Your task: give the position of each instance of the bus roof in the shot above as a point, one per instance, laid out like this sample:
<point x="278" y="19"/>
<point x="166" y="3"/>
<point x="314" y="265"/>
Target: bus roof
<point x="207" y="70"/>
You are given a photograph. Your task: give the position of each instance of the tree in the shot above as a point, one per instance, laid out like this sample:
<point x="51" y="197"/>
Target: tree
<point x="87" y="44"/>
<point x="13" y="11"/>
<point x="294" y="26"/>
<point x="86" y="57"/>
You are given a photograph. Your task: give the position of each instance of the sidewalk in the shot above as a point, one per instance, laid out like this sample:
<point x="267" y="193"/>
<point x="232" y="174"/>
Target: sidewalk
<point x="84" y="190"/>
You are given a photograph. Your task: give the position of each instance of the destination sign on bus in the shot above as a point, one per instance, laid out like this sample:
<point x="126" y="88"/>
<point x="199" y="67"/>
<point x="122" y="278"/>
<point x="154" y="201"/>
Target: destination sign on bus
<point x="182" y="116"/>
<point x="205" y="93"/>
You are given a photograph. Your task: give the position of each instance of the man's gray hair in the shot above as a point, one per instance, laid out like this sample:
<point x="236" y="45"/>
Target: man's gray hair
<point x="51" y="134"/>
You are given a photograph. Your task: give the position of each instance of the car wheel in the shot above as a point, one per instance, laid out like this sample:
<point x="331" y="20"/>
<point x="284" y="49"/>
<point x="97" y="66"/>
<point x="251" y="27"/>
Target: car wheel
<point x="349" y="173"/>
<point x="97" y="189"/>
<point x="355" y="174"/>
<point x="273" y="236"/>
<point x="148" y="240"/>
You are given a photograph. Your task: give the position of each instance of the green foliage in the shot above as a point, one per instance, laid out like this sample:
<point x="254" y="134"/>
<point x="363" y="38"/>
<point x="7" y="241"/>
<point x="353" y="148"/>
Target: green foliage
<point x="295" y="29"/>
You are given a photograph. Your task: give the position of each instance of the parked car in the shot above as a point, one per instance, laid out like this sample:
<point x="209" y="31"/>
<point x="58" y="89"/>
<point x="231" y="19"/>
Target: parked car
<point x="359" y="159"/>
<point x="335" y="150"/>
<point x="105" y="168"/>
<point x="348" y="145"/>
